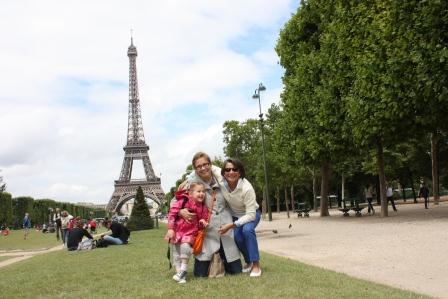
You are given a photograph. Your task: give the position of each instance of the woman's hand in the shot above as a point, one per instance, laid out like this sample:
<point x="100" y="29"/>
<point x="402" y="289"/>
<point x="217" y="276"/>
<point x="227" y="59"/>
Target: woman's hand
<point x="225" y="228"/>
<point x="186" y="215"/>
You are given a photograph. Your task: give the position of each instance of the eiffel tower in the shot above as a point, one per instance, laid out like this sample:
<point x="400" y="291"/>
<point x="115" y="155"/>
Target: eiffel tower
<point x="135" y="149"/>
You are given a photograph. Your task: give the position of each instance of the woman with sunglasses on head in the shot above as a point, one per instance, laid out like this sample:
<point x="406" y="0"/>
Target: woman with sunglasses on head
<point x="240" y="196"/>
<point x="214" y="240"/>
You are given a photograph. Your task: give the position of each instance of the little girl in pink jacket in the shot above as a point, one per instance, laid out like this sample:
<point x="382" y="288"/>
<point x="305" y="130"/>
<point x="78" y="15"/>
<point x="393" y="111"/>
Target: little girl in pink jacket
<point x="182" y="233"/>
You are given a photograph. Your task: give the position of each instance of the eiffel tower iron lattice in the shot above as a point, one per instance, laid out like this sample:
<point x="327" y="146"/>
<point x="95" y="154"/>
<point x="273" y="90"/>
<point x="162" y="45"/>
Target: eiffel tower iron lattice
<point x="135" y="149"/>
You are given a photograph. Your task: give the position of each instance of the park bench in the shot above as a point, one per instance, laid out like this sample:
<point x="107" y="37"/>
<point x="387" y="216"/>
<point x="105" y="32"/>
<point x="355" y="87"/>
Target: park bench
<point x="302" y="210"/>
<point x="354" y="206"/>
<point x="358" y="210"/>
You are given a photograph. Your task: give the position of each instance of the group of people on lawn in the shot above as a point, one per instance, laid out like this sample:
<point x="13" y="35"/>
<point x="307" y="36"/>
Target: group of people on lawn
<point x="72" y="230"/>
<point x="221" y="201"/>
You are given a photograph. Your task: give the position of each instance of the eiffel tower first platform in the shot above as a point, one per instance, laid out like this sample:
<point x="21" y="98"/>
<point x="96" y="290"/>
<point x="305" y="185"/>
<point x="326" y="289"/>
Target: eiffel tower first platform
<point x="135" y="149"/>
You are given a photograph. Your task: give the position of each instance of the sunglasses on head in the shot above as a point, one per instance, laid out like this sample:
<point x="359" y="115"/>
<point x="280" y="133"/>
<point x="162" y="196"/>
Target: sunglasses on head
<point x="231" y="169"/>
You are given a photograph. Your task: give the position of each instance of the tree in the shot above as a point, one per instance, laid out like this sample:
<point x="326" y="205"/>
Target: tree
<point x="140" y="218"/>
<point x="2" y="185"/>
<point x="5" y="208"/>
<point x="315" y="81"/>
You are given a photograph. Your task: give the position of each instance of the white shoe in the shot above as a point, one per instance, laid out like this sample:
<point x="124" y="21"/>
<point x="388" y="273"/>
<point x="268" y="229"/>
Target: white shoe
<point x="248" y="268"/>
<point x="180" y="277"/>
<point x="255" y="274"/>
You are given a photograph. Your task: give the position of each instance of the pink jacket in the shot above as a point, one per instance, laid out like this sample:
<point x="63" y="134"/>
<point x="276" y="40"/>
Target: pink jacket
<point x="186" y="231"/>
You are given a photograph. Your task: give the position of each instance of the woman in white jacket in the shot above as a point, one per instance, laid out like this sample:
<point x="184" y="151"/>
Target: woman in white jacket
<point x="240" y="196"/>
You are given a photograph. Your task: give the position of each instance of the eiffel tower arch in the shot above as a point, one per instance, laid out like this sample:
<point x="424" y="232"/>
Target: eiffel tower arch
<point x="135" y="149"/>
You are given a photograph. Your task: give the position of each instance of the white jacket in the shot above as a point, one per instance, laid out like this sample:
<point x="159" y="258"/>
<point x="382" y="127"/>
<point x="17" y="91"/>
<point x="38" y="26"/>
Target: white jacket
<point x="242" y="201"/>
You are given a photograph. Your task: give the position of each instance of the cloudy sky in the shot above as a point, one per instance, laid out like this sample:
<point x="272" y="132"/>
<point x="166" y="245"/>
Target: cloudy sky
<point x="64" y="86"/>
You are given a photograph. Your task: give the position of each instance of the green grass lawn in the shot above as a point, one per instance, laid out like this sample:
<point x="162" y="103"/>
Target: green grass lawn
<point x="35" y="240"/>
<point x="4" y="258"/>
<point x="140" y="270"/>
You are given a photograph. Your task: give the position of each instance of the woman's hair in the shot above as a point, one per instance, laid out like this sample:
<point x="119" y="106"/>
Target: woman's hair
<point x="236" y="164"/>
<point x="199" y="155"/>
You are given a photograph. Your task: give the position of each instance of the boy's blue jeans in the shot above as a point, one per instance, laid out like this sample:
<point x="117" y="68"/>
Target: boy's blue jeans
<point x="246" y="239"/>
<point x="112" y="240"/>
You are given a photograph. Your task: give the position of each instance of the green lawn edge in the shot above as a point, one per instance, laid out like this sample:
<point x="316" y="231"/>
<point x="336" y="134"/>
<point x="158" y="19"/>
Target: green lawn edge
<point x="140" y="270"/>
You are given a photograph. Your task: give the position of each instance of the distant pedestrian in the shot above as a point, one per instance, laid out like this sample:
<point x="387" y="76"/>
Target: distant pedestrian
<point x="369" y="197"/>
<point x="26" y="225"/>
<point x="390" y="196"/>
<point x="424" y="192"/>
<point x="58" y="223"/>
<point x="65" y="220"/>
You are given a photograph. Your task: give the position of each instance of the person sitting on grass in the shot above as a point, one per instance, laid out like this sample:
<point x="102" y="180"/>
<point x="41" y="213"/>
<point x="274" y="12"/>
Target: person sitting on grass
<point x="5" y="230"/>
<point x="182" y="233"/>
<point x="76" y="235"/>
<point x="118" y="234"/>
<point x="92" y="225"/>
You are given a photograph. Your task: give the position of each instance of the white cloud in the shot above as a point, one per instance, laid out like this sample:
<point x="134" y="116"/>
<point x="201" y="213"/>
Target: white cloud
<point x="64" y="86"/>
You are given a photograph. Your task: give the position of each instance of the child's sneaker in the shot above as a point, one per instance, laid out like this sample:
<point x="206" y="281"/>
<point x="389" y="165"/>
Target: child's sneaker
<point x="180" y="277"/>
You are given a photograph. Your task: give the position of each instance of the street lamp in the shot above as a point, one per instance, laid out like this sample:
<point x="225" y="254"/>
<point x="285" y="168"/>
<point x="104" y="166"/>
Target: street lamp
<point x="256" y="95"/>
<point x="50" y="212"/>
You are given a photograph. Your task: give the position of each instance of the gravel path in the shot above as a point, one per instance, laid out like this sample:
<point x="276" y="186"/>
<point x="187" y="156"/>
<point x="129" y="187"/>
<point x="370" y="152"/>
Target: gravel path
<point x="20" y="255"/>
<point x="405" y="250"/>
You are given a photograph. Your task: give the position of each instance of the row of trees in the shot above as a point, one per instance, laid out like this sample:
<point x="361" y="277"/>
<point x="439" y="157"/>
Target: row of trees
<point x="12" y="210"/>
<point x="365" y="97"/>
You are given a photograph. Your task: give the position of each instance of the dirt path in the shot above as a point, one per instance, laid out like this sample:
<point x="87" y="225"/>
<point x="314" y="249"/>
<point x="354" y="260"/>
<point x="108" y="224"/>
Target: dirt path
<point x="404" y="250"/>
<point x="20" y="255"/>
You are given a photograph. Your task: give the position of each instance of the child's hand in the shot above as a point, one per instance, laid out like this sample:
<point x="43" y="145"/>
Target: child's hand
<point x="203" y="222"/>
<point x="169" y="234"/>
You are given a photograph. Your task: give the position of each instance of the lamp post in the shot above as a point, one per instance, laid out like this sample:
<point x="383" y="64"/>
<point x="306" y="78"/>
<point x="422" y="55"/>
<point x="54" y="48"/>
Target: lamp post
<point x="50" y="212"/>
<point x="256" y="95"/>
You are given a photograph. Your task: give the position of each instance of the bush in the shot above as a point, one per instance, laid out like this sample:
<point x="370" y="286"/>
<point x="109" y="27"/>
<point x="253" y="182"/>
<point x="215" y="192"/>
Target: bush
<point x="140" y="218"/>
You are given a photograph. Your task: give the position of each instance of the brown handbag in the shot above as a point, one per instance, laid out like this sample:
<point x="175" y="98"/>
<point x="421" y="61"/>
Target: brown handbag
<point x="216" y="268"/>
<point x="199" y="241"/>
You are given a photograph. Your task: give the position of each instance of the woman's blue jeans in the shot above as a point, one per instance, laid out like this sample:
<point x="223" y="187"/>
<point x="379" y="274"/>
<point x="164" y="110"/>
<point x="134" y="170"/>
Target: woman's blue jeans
<point x="246" y="239"/>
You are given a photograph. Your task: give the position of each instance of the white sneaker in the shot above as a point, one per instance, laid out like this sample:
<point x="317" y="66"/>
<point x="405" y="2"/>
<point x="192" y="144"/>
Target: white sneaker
<point x="255" y="274"/>
<point x="247" y="269"/>
<point x="180" y="277"/>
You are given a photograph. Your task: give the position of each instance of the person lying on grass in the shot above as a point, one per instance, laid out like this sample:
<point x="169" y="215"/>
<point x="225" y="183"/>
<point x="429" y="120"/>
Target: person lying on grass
<point x="182" y="233"/>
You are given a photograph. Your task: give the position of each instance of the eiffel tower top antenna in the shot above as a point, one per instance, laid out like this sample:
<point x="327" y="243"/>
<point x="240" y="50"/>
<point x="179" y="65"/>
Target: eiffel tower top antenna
<point x="132" y="41"/>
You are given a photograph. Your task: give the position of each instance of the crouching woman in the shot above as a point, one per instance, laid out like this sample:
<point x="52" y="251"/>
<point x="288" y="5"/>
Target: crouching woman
<point x="240" y="196"/>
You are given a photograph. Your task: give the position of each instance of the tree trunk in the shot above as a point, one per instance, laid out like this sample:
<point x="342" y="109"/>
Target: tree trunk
<point x="404" y="192"/>
<point x="378" y="191"/>
<point x="286" y="202"/>
<point x="293" y="205"/>
<point x="315" y="200"/>
<point x="324" y="191"/>
<point x="263" y="205"/>
<point x="343" y="190"/>
<point x="434" y="163"/>
<point x="277" y="195"/>
<point x="411" y="179"/>
<point x="380" y="161"/>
